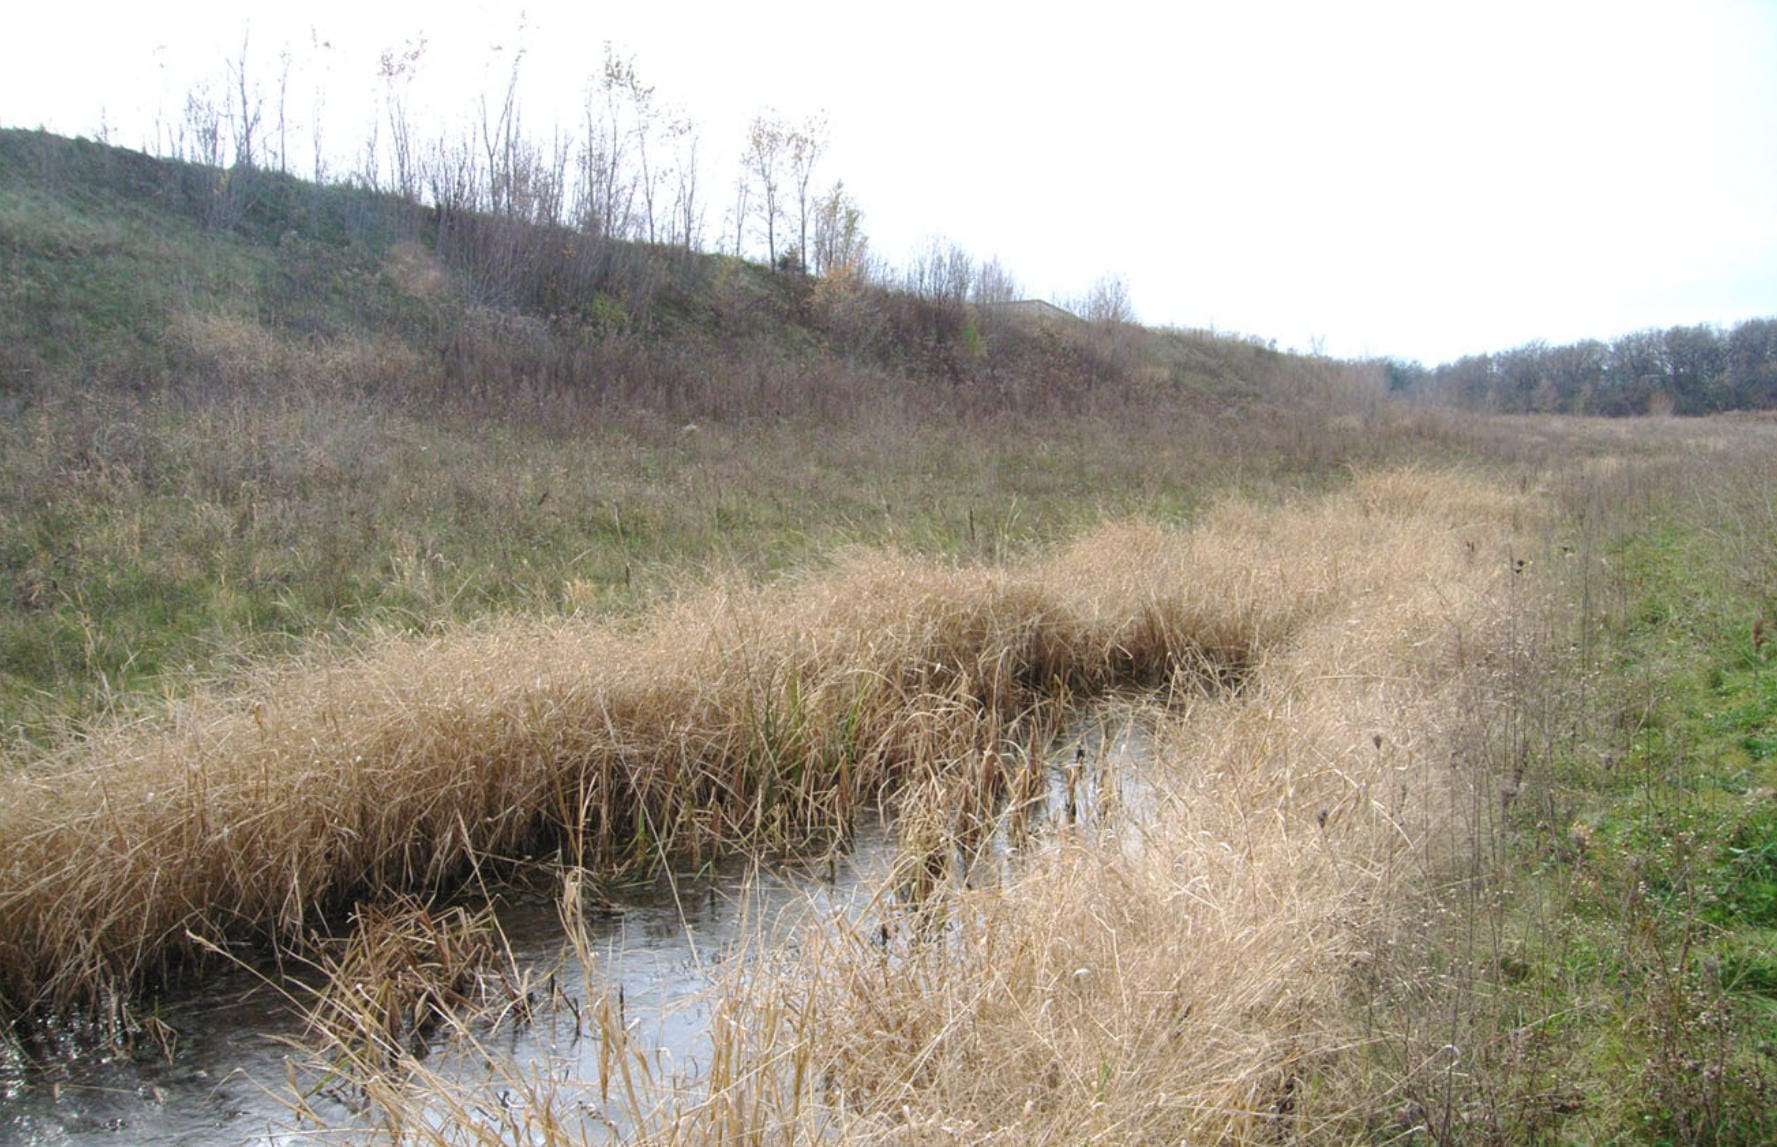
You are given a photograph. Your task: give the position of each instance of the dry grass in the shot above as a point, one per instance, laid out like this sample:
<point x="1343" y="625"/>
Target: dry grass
<point x="1190" y="970"/>
<point x="1192" y="980"/>
<point x="735" y="716"/>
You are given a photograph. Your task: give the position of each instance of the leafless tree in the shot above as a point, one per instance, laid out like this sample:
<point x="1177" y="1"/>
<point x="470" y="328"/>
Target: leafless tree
<point x="1108" y="301"/>
<point x="397" y="66"/>
<point x="944" y="272"/>
<point x="607" y="187"/>
<point x="284" y="61"/>
<point x="646" y="124"/>
<point x="370" y="168"/>
<point x="316" y="116"/>
<point x="994" y="284"/>
<point x="763" y="162"/>
<point x="804" y="145"/>
<point x="203" y="130"/>
<point x="687" y="213"/>
<point x="454" y="176"/>
<point x="246" y="105"/>
<point x="739" y="214"/>
<point x="499" y="141"/>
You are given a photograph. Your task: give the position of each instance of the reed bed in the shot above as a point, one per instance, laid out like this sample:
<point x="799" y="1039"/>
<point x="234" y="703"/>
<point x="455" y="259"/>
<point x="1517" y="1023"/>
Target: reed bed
<point x="736" y="716"/>
<point x="1190" y="975"/>
<point x="1202" y="966"/>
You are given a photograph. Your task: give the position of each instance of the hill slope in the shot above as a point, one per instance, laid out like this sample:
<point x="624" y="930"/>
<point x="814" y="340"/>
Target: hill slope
<point x="240" y="410"/>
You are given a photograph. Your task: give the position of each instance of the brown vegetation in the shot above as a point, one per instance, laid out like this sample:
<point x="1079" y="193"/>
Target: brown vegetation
<point x="1190" y="969"/>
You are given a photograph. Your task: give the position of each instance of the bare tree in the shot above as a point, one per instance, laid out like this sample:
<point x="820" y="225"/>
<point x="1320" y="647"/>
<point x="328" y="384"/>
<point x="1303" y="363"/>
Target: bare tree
<point x="370" y="170"/>
<point x="739" y="214"/>
<point x="1107" y="301"/>
<point x="316" y="113"/>
<point x="944" y="272"/>
<point x="397" y="68"/>
<point x="626" y="88"/>
<point x="246" y="106"/>
<point x="638" y="152"/>
<point x="203" y="130"/>
<point x="994" y="284"/>
<point x="804" y="145"/>
<point x="548" y="185"/>
<point x="499" y="141"/>
<point x="284" y="60"/>
<point x="686" y="228"/>
<point x="763" y="163"/>
<point x="454" y="177"/>
<point x="607" y="188"/>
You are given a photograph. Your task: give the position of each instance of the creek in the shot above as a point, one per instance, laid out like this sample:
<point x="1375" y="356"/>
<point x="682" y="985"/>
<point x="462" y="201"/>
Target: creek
<point x="217" y="1063"/>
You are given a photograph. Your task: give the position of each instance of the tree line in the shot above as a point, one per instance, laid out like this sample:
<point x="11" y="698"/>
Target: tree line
<point x="1699" y="369"/>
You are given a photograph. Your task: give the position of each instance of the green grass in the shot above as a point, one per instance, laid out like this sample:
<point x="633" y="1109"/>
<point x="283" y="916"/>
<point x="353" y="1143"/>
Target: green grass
<point x="1638" y="905"/>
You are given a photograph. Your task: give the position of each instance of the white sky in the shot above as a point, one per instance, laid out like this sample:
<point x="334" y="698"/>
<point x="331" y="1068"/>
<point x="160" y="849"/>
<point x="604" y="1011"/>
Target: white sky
<point x="1416" y="179"/>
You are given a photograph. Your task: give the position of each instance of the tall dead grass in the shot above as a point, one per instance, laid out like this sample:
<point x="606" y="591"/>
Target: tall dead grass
<point x="748" y="717"/>
<point x="1187" y="975"/>
<point x="1197" y="967"/>
<point x="1191" y="977"/>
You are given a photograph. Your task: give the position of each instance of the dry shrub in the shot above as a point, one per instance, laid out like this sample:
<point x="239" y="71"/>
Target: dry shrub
<point x="418" y="272"/>
<point x="231" y="353"/>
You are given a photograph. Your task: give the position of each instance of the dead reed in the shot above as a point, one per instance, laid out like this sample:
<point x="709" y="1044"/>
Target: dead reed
<point x="735" y="716"/>
<point x="1192" y="975"/>
<point x="399" y="975"/>
<point x="1190" y="978"/>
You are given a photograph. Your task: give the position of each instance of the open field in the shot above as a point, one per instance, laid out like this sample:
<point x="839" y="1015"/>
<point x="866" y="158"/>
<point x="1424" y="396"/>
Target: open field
<point x="161" y="537"/>
<point x="331" y="581"/>
<point x="1488" y="934"/>
<point x="1536" y="717"/>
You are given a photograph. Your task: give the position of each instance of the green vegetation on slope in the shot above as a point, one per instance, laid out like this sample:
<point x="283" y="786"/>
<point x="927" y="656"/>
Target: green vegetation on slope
<point x="238" y="410"/>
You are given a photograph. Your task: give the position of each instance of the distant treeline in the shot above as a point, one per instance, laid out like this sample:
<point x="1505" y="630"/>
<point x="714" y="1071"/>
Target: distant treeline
<point x="1681" y="370"/>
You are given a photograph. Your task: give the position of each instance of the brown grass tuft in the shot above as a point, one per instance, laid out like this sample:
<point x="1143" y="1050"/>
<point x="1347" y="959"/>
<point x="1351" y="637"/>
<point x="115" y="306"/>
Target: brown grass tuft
<point x="735" y="717"/>
<point x="1189" y="976"/>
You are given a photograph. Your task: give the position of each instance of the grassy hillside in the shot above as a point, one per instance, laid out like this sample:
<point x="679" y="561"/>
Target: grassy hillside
<point x="239" y="410"/>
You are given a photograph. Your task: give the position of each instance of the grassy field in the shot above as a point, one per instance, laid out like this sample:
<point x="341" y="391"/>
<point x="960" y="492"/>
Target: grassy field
<point x="1631" y="932"/>
<point x="1477" y="852"/>
<point x="316" y="420"/>
<point x="335" y="568"/>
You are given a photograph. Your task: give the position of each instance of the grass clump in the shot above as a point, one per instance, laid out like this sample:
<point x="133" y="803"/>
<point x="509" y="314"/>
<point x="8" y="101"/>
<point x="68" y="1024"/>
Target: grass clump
<point x="1181" y="966"/>
<point x="736" y="715"/>
<point x="402" y="972"/>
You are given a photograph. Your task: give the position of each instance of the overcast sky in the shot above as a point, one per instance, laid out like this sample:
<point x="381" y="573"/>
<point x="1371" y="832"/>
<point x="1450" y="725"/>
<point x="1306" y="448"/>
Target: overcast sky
<point x="1422" y="180"/>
